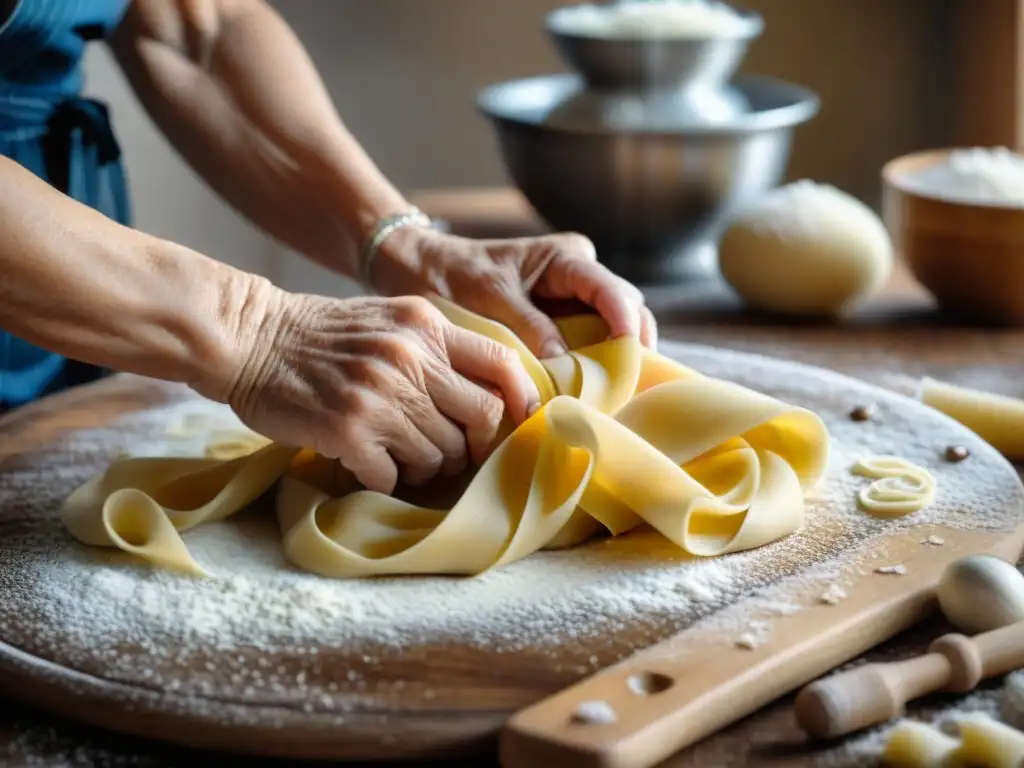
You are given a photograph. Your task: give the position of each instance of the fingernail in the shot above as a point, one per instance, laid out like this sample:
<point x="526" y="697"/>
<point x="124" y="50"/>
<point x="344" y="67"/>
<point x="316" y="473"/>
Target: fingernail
<point x="553" y="349"/>
<point x="531" y="409"/>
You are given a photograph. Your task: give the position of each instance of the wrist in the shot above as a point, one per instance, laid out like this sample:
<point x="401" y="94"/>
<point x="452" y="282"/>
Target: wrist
<point x="229" y="311"/>
<point x="409" y="262"/>
<point x="357" y="197"/>
<point x="405" y="233"/>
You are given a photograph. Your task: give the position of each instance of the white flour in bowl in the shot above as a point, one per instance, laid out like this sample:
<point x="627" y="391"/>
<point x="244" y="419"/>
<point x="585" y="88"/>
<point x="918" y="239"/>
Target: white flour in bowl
<point x="993" y="176"/>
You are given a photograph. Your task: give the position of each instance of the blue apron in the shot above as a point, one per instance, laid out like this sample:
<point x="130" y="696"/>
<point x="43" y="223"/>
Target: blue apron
<point x="48" y="128"/>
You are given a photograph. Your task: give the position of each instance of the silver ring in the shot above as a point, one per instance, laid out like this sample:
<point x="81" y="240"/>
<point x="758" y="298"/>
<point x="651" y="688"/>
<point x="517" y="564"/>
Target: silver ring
<point x="380" y="232"/>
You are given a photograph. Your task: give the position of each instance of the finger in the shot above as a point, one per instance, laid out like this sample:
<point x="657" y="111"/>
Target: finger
<point x="618" y="302"/>
<point x="648" y="329"/>
<point x="430" y="420"/>
<point x="471" y="405"/>
<point x="373" y="467"/>
<point x="542" y="250"/>
<point x="478" y="358"/>
<point x="419" y="460"/>
<point x="511" y="307"/>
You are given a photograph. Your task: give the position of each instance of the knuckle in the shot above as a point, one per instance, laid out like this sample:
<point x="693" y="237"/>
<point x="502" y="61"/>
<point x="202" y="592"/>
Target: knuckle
<point x="634" y="294"/>
<point x="453" y="446"/>
<point x="503" y="361"/>
<point x="393" y="349"/>
<point x="356" y="403"/>
<point x="579" y="246"/>
<point x="499" y="353"/>
<point x="449" y="439"/>
<point x="413" y="310"/>
<point x="368" y="372"/>
<point x="431" y="459"/>
<point x="538" y="322"/>
<point x="337" y="437"/>
<point x="491" y="408"/>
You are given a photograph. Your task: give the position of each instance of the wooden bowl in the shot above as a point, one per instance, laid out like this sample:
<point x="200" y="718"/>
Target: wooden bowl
<point x="970" y="256"/>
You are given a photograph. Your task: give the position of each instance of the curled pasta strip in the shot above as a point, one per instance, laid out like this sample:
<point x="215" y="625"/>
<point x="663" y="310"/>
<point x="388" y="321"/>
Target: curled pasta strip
<point x="625" y="438"/>
<point x="900" y="488"/>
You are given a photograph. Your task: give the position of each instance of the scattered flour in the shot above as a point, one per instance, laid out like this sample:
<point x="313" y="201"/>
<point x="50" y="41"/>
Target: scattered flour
<point x="595" y="713"/>
<point x="756" y="634"/>
<point x="934" y="541"/>
<point x="892" y="570"/>
<point x="834" y="595"/>
<point x="272" y="639"/>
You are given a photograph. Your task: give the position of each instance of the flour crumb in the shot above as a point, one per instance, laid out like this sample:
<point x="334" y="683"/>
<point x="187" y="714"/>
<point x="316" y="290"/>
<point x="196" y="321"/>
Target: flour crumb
<point x="892" y="570"/>
<point x="934" y="541"/>
<point x="783" y="609"/>
<point x="833" y="595"/>
<point x="755" y="635"/>
<point x="748" y="641"/>
<point x="595" y="713"/>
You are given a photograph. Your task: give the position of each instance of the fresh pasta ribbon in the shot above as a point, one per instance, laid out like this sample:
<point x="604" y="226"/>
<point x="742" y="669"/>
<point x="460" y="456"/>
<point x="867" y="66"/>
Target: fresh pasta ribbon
<point x="624" y="438"/>
<point x="997" y="419"/>
<point x="900" y="488"/>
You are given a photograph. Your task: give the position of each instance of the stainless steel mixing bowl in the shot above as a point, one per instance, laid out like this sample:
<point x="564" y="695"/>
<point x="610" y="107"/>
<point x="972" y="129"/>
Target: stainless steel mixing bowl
<point x="651" y="200"/>
<point x="646" y="64"/>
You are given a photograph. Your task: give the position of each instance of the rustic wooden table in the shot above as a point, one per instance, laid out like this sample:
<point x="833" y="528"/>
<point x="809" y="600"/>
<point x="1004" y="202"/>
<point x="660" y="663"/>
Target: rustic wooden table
<point x="892" y="343"/>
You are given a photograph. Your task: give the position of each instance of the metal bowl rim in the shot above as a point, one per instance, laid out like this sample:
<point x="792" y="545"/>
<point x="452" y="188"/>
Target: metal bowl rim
<point x="804" y="106"/>
<point x="755" y="26"/>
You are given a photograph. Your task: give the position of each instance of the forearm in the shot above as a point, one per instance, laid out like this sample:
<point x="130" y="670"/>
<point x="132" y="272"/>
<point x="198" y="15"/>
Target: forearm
<point x="233" y="89"/>
<point x="79" y="284"/>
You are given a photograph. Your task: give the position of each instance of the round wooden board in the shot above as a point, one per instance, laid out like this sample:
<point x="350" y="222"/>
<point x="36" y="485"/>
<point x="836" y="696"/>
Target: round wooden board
<point x="455" y="693"/>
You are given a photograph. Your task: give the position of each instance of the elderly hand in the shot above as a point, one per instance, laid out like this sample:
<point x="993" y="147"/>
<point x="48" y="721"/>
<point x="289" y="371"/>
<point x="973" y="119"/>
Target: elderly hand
<point x="388" y="386"/>
<point x="501" y="278"/>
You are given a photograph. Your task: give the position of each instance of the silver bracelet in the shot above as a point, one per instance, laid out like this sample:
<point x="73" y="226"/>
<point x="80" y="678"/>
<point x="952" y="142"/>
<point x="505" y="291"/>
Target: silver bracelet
<point x="380" y="232"/>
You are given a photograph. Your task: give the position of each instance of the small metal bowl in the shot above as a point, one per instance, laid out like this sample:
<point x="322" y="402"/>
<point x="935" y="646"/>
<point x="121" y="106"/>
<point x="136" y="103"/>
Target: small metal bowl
<point x="969" y="255"/>
<point x="652" y="200"/>
<point x="651" y="63"/>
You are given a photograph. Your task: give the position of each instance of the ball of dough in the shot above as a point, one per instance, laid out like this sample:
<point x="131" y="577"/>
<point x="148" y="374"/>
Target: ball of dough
<point x="806" y="248"/>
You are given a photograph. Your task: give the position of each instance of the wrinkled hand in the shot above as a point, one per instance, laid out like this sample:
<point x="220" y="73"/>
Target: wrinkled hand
<point x="389" y="387"/>
<point x="501" y="279"/>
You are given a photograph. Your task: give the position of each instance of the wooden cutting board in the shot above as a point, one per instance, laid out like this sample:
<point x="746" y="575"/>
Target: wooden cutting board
<point x="456" y="695"/>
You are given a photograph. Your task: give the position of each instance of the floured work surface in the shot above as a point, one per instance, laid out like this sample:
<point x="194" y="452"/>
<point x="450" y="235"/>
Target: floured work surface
<point x="266" y="659"/>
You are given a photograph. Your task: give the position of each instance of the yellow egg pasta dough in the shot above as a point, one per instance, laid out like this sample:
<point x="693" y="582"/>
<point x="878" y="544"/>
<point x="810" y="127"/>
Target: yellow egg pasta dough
<point x="997" y="419"/>
<point x="625" y="438"/>
<point x="916" y="745"/>
<point x="900" y="488"/>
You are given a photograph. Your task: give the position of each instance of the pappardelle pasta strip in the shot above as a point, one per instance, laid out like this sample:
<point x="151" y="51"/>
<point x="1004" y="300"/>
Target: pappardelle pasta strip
<point x="625" y="437"/>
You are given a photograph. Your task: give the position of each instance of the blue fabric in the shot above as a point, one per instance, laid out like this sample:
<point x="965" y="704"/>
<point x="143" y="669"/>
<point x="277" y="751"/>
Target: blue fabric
<point x="47" y="127"/>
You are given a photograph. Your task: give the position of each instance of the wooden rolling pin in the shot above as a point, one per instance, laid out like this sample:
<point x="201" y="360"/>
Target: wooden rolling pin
<point x="875" y="693"/>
